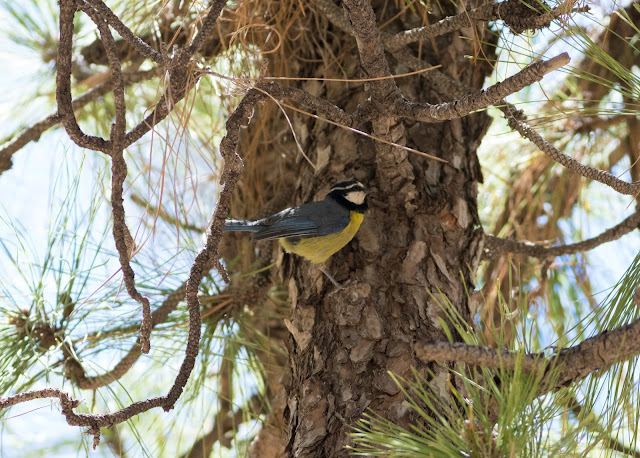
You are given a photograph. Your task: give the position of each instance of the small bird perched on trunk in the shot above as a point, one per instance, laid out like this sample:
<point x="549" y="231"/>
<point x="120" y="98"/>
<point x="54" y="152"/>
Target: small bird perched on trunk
<point x="315" y="230"/>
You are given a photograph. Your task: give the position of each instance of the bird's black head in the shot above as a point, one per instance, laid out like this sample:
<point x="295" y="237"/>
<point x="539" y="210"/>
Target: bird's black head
<point x="351" y="194"/>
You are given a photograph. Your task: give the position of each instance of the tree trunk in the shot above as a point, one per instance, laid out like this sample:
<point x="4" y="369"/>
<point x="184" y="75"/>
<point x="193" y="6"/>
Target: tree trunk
<point x="418" y="242"/>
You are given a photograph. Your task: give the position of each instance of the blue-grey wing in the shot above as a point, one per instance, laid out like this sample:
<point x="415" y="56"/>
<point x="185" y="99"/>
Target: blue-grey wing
<point x="308" y="220"/>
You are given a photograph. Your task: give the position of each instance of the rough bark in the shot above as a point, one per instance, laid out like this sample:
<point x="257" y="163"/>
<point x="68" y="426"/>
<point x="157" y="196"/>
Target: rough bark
<point x="418" y="240"/>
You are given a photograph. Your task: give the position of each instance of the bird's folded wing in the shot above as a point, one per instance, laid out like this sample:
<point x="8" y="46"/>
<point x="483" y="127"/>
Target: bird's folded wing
<point x="293" y="226"/>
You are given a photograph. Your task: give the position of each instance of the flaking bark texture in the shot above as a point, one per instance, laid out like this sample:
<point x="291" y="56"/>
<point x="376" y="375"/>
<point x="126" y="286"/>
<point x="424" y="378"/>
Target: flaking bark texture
<point x="418" y="240"/>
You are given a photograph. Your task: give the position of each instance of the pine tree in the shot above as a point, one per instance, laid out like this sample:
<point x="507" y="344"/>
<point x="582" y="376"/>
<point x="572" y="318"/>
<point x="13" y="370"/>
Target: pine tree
<point x="444" y="341"/>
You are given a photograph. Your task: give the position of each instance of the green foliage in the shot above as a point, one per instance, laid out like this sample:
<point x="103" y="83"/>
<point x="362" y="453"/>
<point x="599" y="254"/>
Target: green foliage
<point x="510" y="412"/>
<point x="64" y="287"/>
<point x="39" y="294"/>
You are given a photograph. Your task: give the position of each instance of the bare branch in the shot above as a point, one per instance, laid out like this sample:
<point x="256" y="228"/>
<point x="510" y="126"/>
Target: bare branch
<point x="209" y="253"/>
<point x="335" y="15"/>
<point x="316" y="104"/>
<point x="63" y="83"/>
<point x="509" y="11"/>
<point x="515" y="121"/>
<point x="122" y="237"/>
<point x="496" y="246"/>
<point x="492" y="95"/>
<point x="374" y="63"/>
<point x="478" y="356"/>
<point x="119" y="128"/>
<point x="486" y="12"/>
<point x="159" y="113"/>
<point x="597" y="353"/>
<point x="33" y="132"/>
<point x="423" y="111"/>
<point x="561" y="10"/>
<point x="93" y="421"/>
<point x="205" y="31"/>
<point x="126" y="34"/>
<point x="232" y="168"/>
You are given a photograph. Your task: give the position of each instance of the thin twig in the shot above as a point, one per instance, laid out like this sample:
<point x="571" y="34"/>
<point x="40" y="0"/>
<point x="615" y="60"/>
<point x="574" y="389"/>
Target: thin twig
<point x="486" y="12"/>
<point x="215" y="10"/>
<point x="496" y="246"/>
<point x="93" y="421"/>
<point x="368" y="44"/>
<point x="317" y="104"/>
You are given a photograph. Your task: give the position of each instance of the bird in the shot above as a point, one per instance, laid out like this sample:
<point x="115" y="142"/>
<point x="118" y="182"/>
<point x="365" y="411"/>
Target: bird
<point x="314" y="230"/>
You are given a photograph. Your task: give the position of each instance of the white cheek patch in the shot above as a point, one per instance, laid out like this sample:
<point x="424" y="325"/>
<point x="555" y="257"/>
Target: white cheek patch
<point x="356" y="197"/>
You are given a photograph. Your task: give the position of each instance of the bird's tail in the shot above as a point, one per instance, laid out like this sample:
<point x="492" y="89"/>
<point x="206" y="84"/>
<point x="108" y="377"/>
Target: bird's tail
<point x="238" y="225"/>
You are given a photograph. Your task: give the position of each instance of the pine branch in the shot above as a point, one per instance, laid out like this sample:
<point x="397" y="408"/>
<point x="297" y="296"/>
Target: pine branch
<point x="371" y="45"/>
<point x="496" y="246"/>
<point x="93" y="421"/>
<point x="516" y="122"/>
<point x="486" y="12"/>
<point x="362" y="19"/>
<point x="308" y="101"/>
<point x="478" y="356"/>
<point x="514" y="117"/>
<point x="115" y="147"/>
<point x="493" y="95"/>
<point x="63" y="83"/>
<point x="126" y="34"/>
<point x="571" y="364"/>
<point x="34" y="131"/>
<point x="511" y="12"/>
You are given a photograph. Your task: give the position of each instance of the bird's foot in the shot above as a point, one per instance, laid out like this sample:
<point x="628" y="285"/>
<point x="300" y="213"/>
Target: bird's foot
<point x="335" y="282"/>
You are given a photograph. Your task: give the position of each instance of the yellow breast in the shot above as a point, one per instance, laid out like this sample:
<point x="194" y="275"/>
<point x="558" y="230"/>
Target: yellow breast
<point x="319" y="249"/>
